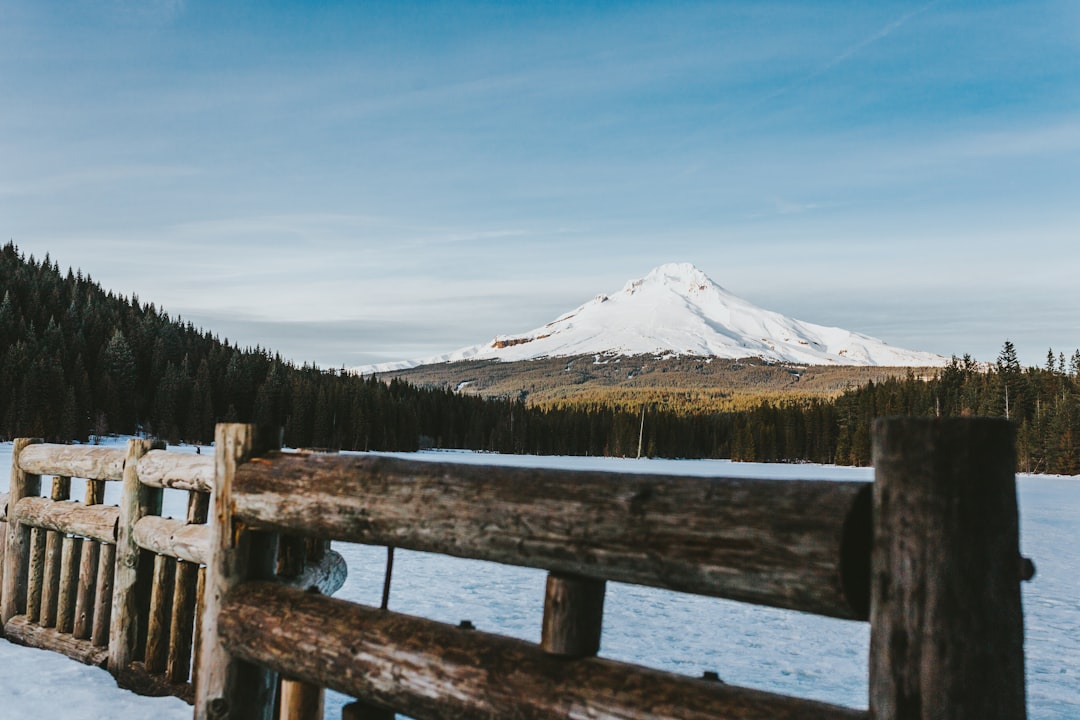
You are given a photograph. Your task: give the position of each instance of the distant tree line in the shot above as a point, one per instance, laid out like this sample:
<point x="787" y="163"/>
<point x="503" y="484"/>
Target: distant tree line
<point x="77" y="361"/>
<point x="1044" y="402"/>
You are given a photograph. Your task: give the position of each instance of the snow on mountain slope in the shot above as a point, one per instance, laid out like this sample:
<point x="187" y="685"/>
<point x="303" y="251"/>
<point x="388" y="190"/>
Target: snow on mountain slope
<point x="677" y="310"/>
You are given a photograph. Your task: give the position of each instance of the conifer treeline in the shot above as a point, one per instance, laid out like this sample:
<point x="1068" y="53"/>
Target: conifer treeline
<point x="76" y="360"/>
<point x="1044" y="402"/>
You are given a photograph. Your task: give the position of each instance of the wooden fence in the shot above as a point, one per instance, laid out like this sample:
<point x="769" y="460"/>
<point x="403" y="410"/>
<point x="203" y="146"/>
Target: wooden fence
<point x="114" y="586"/>
<point x="928" y="554"/>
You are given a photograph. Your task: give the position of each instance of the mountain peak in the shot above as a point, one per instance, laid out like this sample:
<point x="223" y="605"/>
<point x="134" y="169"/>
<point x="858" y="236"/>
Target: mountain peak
<point x="676" y="309"/>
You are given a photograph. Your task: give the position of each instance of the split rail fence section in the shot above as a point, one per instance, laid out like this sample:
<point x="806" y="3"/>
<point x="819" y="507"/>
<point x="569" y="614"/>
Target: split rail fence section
<point x="928" y="554"/>
<point x="118" y="587"/>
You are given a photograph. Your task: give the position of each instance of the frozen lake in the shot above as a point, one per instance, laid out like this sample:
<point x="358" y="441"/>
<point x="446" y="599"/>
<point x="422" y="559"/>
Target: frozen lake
<point x="775" y="650"/>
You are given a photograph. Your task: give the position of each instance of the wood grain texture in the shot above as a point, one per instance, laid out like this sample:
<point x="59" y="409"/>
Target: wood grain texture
<point x="84" y="601"/>
<point x="573" y="616"/>
<point x="82" y="461"/>
<point x="136" y="501"/>
<point x="185" y="599"/>
<point x="88" y="569"/>
<point x="103" y="593"/>
<point x="946" y="637"/>
<point x="70" y="557"/>
<point x="180" y="471"/>
<point x="175" y="538"/>
<point x="767" y="542"/>
<point x="50" y="589"/>
<point x="20" y="630"/>
<point x="301" y="701"/>
<point x="36" y="573"/>
<point x="161" y="597"/>
<point x="98" y="522"/>
<point x="17" y="551"/>
<point x="226" y="683"/>
<point x="182" y="623"/>
<point x="430" y="670"/>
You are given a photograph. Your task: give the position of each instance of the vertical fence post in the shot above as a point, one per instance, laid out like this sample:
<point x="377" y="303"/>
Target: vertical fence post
<point x="185" y="597"/>
<point x="573" y="615"/>
<point x="136" y="501"/>
<point x="946" y="639"/>
<point x="88" y="569"/>
<point x="229" y="687"/>
<point x="16" y="556"/>
<point x="52" y="574"/>
<point x="299" y="700"/>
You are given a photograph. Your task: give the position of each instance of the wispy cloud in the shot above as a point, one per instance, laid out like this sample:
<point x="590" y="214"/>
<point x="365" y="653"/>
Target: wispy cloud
<point x="849" y="53"/>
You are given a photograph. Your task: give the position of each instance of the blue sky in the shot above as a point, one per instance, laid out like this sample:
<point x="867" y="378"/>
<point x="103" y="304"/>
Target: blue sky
<point x="358" y="182"/>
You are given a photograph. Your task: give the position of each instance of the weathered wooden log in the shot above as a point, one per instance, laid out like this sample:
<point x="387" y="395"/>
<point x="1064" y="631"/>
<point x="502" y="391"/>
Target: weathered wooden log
<point x="175" y="538"/>
<point x="157" y="637"/>
<point x="301" y="701"/>
<point x="426" y="669"/>
<point x="61" y="488"/>
<point x="947" y="632"/>
<point x="767" y="542"/>
<point x="185" y="599"/>
<point x="95" y="492"/>
<point x="83" y="461"/>
<point x="20" y="630"/>
<point x="70" y="556"/>
<point x="138" y="679"/>
<point x="3" y="514"/>
<point x="136" y="501"/>
<point x="50" y="590"/>
<point x="17" y="553"/>
<point x="162" y="469"/>
<point x="573" y="616"/>
<point x="88" y="569"/>
<point x="36" y="573"/>
<point x="226" y="682"/>
<point x="99" y="637"/>
<point x="98" y="522"/>
<point x="182" y="624"/>
<point x="84" y="601"/>
<point x="197" y="634"/>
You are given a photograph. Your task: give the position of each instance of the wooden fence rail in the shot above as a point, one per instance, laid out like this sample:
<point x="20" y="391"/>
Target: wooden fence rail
<point x="77" y="579"/>
<point x="928" y="554"/>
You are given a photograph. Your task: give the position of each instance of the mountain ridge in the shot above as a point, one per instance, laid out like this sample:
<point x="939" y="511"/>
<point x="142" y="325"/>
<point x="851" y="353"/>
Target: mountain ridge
<point x="677" y="310"/>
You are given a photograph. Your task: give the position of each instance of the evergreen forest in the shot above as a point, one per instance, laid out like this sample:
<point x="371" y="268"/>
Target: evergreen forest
<point x="77" y="361"/>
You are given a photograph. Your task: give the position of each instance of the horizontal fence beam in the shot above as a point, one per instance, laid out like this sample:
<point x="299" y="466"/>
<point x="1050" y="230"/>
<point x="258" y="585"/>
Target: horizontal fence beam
<point x="179" y="471"/>
<point x="97" y="522"/>
<point x="429" y="670"/>
<point x="801" y="545"/>
<point x="83" y="461"/>
<point x="174" y="538"/>
<point x="23" y="631"/>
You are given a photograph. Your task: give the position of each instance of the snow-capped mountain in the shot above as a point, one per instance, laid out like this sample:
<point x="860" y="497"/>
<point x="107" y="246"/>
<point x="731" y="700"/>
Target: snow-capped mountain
<point x="677" y="310"/>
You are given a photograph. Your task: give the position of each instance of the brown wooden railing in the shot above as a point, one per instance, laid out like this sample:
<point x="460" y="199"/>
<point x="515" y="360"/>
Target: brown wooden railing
<point x="114" y="586"/>
<point x="928" y="554"/>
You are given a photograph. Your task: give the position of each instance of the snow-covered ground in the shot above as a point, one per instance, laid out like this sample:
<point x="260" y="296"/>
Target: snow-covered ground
<point x="777" y="650"/>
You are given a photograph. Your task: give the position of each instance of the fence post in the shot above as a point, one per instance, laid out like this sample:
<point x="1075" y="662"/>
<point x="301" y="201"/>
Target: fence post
<point x="136" y="501"/>
<point x="573" y="615"/>
<point x="16" y="556"/>
<point x="946" y="639"/>
<point x="228" y="687"/>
